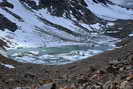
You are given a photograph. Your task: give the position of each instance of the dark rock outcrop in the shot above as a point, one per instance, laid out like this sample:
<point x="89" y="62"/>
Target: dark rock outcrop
<point x="65" y="8"/>
<point x="6" y="4"/>
<point x="3" y="44"/>
<point x="7" y="24"/>
<point x="102" y="1"/>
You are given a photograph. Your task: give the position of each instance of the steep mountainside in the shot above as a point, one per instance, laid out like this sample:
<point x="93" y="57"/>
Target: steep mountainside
<point x="47" y="20"/>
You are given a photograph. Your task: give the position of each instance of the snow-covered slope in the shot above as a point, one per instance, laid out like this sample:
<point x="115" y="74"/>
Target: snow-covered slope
<point x="52" y="28"/>
<point x="39" y="23"/>
<point x="111" y="11"/>
<point x="33" y="22"/>
<point x="124" y="3"/>
<point x="37" y="28"/>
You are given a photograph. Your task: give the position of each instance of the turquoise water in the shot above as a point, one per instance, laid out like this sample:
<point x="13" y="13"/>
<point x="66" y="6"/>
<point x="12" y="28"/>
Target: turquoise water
<point x="56" y="55"/>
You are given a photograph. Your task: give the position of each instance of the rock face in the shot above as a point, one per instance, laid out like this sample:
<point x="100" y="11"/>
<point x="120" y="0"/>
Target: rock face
<point x="67" y="8"/>
<point x="7" y="24"/>
<point x="3" y="44"/>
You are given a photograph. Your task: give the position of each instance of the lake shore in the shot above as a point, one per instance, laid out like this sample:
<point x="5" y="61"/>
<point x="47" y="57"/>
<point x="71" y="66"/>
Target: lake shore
<point x="91" y="72"/>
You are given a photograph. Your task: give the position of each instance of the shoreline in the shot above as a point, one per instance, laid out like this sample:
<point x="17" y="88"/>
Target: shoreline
<point x="27" y="74"/>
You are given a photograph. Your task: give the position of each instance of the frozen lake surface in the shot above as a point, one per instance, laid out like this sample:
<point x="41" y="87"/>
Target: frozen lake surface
<point x="59" y="55"/>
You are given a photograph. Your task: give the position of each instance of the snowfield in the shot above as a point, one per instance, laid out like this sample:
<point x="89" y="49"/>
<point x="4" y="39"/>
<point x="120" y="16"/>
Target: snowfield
<point x="32" y="32"/>
<point x="110" y="12"/>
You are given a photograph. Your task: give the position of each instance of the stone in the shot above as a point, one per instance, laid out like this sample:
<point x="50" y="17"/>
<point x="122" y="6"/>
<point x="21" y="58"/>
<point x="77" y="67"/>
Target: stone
<point x="126" y="85"/>
<point x="46" y="86"/>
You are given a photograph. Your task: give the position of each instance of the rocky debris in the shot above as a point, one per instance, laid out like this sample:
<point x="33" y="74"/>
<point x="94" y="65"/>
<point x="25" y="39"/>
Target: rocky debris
<point x="125" y="41"/>
<point x="126" y="85"/>
<point x="98" y="79"/>
<point x="9" y="61"/>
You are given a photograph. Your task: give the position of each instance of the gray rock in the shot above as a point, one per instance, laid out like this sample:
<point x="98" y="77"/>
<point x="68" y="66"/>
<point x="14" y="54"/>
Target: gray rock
<point x="46" y="86"/>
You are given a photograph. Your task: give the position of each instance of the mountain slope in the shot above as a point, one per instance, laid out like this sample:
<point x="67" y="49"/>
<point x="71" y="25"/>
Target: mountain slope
<point x="46" y="17"/>
<point x="58" y="23"/>
<point x="30" y="21"/>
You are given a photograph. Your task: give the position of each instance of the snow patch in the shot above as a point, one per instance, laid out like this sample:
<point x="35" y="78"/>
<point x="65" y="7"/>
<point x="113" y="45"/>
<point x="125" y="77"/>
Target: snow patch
<point x="8" y="65"/>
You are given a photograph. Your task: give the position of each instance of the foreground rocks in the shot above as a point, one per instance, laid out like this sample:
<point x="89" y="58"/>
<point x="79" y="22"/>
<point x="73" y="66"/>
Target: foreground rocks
<point x="109" y="70"/>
